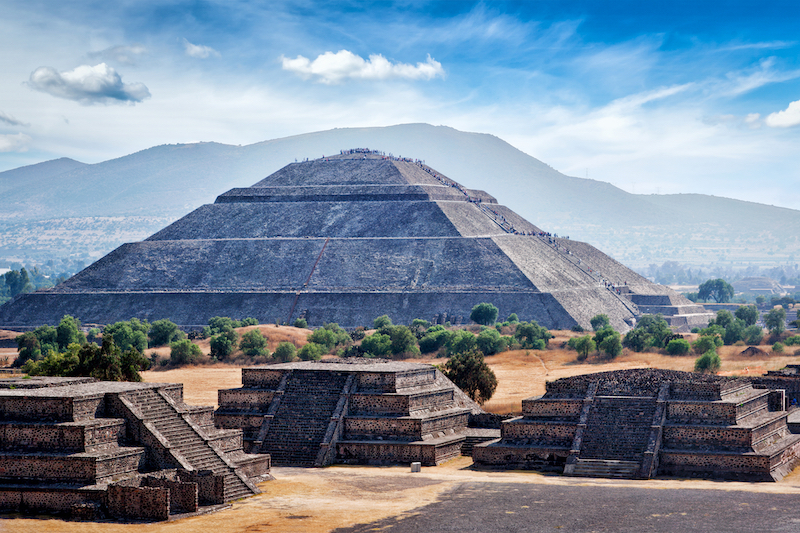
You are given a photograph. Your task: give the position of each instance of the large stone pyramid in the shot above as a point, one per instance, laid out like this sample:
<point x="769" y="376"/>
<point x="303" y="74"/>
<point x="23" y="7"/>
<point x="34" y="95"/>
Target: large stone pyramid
<point x="345" y="239"/>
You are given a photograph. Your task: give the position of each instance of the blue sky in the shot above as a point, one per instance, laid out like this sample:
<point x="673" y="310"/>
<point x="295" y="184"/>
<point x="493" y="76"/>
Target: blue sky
<point x="654" y="97"/>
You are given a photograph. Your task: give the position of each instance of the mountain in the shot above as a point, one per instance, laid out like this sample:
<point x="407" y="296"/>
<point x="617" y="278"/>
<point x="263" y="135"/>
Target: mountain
<point x="165" y="182"/>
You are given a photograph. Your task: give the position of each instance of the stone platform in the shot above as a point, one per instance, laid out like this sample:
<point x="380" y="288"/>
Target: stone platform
<point x="82" y="447"/>
<point x="644" y="422"/>
<point x="361" y="412"/>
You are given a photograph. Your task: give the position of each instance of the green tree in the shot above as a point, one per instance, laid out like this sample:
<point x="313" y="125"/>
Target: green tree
<point x="28" y="347"/>
<point x="377" y="344"/>
<point x="324" y="337"/>
<point x="311" y="352"/>
<point x="163" y="332"/>
<point x="718" y="289"/>
<point x="130" y="334"/>
<point x="254" y="344"/>
<point x="734" y="332"/>
<point x="403" y="341"/>
<point x="775" y="320"/>
<point x="484" y="313"/>
<point x="224" y="344"/>
<point x="461" y="341"/>
<point x="709" y="363"/>
<point x="678" y="347"/>
<point x="285" y="352"/>
<point x="705" y="343"/>
<point x="184" y="352"/>
<point x="469" y="372"/>
<point x="434" y="339"/>
<point x="301" y="323"/>
<point x="747" y="313"/>
<point x="490" y="342"/>
<point x="610" y="343"/>
<point x="599" y="322"/>
<point x="382" y="321"/>
<point x="248" y="321"/>
<point x="583" y="345"/>
<point x="753" y="335"/>
<point x="69" y="332"/>
<point x="17" y="282"/>
<point x="512" y="318"/>
<point x="532" y="335"/>
<point x="778" y="347"/>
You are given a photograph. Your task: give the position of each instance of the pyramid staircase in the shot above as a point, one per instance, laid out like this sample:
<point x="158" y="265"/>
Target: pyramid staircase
<point x="298" y="428"/>
<point x="184" y="441"/>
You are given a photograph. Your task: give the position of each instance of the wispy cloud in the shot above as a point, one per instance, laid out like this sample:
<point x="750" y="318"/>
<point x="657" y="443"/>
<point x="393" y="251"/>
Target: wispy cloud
<point x="14" y="143"/>
<point x="330" y="68"/>
<point x="127" y="55"/>
<point x="785" y="119"/>
<point x="88" y="85"/>
<point x="198" y="50"/>
<point x="11" y="121"/>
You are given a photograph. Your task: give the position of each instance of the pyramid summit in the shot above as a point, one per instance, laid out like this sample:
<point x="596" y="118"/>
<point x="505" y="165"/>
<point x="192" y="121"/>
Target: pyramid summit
<point x="347" y="238"/>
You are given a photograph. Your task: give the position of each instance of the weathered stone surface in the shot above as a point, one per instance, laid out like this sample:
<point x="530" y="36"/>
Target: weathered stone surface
<point x="345" y="239"/>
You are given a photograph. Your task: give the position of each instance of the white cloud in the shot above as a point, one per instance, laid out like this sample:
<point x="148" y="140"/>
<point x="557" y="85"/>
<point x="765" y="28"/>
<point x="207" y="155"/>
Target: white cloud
<point x="88" y="85"/>
<point x="785" y="119"/>
<point x="14" y="143"/>
<point x="121" y="54"/>
<point x="8" y="119"/>
<point x="333" y="68"/>
<point x="198" y="50"/>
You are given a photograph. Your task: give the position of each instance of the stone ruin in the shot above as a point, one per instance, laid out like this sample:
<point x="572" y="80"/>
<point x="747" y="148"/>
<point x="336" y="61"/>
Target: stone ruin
<point x="359" y="411"/>
<point x="83" y="448"/>
<point x="645" y="422"/>
<point x="345" y="239"/>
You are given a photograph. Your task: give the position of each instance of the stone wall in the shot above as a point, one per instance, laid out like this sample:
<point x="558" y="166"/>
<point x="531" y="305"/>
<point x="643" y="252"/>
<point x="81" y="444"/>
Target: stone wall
<point x="140" y="503"/>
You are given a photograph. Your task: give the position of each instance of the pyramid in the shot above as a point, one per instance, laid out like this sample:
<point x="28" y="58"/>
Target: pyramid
<point x="348" y="238"/>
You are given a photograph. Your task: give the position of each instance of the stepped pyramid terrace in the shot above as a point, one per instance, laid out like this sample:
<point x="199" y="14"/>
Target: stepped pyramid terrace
<point x="345" y="239"/>
<point x="358" y="411"/>
<point x="87" y="448"/>
<point x="641" y="423"/>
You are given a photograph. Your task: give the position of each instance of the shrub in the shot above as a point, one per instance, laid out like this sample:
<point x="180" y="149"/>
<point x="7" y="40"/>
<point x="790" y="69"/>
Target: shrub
<point x="69" y="332"/>
<point x="528" y="332"/>
<point x="706" y="343"/>
<point x="358" y="333"/>
<point x="254" y="344"/>
<point x="434" y="339"/>
<point x="709" y="362"/>
<point x="512" y="318"/>
<point x="285" y="352"/>
<point x="794" y="340"/>
<point x="163" y="332"/>
<point x="577" y="328"/>
<point x="224" y="344"/>
<point x="324" y="337"/>
<point x="753" y="335"/>
<point x="184" y="352"/>
<point x="382" y="321"/>
<point x="583" y="345"/>
<point x="599" y="321"/>
<point x="403" y="340"/>
<point x="777" y="347"/>
<point x="461" y="341"/>
<point x="678" y="347"/>
<point x="300" y="323"/>
<point x="611" y="343"/>
<point x="377" y="344"/>
<point x="469" y="372"/>
<point x="249" y="321"/>
<point x="311" y="352"/>
<point x="484" y="313"/>
<point x="491" y="342"/>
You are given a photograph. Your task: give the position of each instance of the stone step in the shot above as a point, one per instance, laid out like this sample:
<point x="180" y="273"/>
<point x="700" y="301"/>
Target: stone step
<point x="606" y="468"/>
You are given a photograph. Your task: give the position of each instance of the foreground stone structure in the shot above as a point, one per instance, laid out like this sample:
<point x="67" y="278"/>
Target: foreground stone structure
<point x="640" y="423"/>
<point x="345" y="239"/>
<point x="357" y="411"/>
<point x="83" y="448"/>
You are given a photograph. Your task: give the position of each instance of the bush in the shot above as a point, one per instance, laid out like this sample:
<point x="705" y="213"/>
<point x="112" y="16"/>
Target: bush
<point x="777" y="347"/>
<point x="403" y="340"/>
<point x="382" y="321"/>
<point x="249" y="321"/>
<point x="709" y="362"/>
<point x="577" y="328"/>
<point x="311" y="352"/>
<point x="794" y="340"/>
<point x="706" y="343"/>
<point x="163" y="332"/>
<point x="753" y="335"/>
<point x="484" y="313"/>
<point x="528" y="333"/>
<point x="358" y="333"/>
<point x="224" y="344"/>
<point x="583" y="345"/>
<point x="184" y="352"/>
<point x="611" y="343"/>
<point x="491" y="342"/>
<point x="130" y="334"/>
<point x="434" y="339"/>
<point x="512" y="318"/>
<point x="254" y="344"/>
<point x="285" y="352"/>
<point x="599" y="322"/>
<point x="469" y="372"/>
<point x="69" y="332"/>
<point x="461" y="341"/>
<point x="678" y="347"/>
<point x="324" y="337"/>
<point x="301" y="323"/>
<point x="377" y="344"/>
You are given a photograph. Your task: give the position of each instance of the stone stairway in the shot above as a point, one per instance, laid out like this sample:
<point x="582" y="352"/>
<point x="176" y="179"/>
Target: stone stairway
<point x="298" y="427"/>
<point x="186" y="441"/>
<point x="618" y="428"/>
<point x="606" y="468"/>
